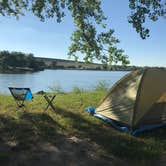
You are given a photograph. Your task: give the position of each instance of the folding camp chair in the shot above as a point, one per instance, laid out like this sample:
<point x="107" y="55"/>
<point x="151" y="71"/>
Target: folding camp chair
<point x="20" y="95"/>
<point x="49" y="100"/>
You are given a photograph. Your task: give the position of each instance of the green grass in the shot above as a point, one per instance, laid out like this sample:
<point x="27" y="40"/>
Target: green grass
<point x="23" y="130"/>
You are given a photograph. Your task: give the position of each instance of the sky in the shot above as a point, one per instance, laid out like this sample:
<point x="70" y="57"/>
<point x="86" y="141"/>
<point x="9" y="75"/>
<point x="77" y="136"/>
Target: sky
<point x="51" y="39"/>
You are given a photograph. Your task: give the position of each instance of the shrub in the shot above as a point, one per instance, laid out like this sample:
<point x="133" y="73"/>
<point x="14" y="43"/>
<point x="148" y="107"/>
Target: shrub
<point x="102" y="86"/>
<point x="78" y="90"/>
<point x="56" y="89"/>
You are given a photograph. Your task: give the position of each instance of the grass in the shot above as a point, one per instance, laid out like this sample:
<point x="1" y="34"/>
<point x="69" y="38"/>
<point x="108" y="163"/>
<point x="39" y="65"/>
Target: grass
<point x="23" y="134"/>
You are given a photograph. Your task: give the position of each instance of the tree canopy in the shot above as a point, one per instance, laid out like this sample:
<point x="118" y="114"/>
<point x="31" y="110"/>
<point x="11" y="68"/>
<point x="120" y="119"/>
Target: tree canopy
<point x="19" y="60"/>
<point x="87" y="15"/>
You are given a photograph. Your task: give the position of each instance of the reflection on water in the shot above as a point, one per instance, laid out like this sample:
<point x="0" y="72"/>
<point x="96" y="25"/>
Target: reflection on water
<point x="67" y="79"/>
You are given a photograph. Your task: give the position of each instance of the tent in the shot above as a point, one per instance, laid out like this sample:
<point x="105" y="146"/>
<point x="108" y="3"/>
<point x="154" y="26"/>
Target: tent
<point x="137" y="102"/>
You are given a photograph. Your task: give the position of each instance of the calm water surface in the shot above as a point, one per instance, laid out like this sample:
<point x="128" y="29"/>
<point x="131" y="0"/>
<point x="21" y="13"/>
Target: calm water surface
<point x="67" y="79"/>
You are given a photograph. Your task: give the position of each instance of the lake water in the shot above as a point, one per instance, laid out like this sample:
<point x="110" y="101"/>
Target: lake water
<point x="66" y="79"/>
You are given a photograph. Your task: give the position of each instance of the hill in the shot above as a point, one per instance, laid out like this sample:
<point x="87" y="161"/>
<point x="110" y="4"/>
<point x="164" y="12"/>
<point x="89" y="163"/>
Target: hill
<point x="52" y="63"/>
<point x="18" y="62"/>
<point x="68" y="64"/>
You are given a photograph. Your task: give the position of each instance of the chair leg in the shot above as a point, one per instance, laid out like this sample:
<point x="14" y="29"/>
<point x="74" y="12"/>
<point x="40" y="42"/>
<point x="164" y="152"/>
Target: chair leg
<point x="49" y="102"/>
<point x="20" y="104"/>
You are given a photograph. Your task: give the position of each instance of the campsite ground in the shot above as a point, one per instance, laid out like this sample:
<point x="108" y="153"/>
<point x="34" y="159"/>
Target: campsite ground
<point x="69" y="136"/>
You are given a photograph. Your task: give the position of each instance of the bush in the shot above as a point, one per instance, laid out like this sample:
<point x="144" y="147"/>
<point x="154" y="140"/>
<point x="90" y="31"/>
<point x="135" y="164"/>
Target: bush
<point x="56" y="89"/>
<point x="78" y="90"/>
<point x="102" y="86"/>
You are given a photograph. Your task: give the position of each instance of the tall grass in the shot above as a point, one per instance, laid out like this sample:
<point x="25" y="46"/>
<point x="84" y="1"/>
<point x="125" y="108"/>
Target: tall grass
<point x="57" y="89"/>
<point x="101" y="86"/>
<point x="78" y="90"/>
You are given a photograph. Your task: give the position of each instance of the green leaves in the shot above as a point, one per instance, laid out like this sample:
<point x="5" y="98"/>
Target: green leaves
<point x="12" y="7"/>
<point x="141" y="10"/>
<point x="88" y="17"/>
<point x="48" y="9"/>
<point x="93" y="44"/>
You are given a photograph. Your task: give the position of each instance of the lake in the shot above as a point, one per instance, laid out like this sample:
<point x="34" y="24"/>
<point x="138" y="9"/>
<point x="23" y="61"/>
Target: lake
<point x="66" y="79"/>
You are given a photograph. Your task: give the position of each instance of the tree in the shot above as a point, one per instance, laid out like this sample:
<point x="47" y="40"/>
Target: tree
<point x="141" y="10"/>
<point x="19" y="59"/>
<point x="87" y="15"/>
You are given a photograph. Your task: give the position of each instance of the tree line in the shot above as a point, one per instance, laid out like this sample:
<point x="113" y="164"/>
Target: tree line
<point x="18" y="61"/>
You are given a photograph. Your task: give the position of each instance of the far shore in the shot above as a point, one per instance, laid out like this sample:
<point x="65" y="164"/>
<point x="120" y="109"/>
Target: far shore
<point x="23" y="71"/>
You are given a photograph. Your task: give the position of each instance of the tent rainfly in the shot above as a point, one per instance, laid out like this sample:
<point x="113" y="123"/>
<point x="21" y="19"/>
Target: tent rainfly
<point x="137" y="102"/>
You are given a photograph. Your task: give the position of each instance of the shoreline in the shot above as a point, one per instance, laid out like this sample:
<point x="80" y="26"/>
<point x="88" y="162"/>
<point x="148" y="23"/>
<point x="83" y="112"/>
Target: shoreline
<point x="32" y="71"/>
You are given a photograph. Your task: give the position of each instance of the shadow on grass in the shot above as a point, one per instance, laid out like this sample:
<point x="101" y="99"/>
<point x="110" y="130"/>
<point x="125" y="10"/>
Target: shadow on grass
<point x="28" y="132"/>
<point x="115" y="142"/>
<point x="29" y="126"/>
<point x="34" y="139"/>
<point x="25" y="134"/>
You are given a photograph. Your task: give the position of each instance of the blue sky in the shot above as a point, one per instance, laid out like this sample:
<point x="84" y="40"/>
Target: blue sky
<point x="50" y="39"/>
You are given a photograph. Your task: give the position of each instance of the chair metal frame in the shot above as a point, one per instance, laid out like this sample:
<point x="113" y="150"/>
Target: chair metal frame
<point x="49" y="100"/>
<point x="22" y="98"/>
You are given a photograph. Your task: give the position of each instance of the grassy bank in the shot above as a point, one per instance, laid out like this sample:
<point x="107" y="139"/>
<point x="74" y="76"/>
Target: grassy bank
<point x="69" y="136"/>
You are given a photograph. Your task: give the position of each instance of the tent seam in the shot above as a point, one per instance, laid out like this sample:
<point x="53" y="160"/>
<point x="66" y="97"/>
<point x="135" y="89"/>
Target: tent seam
<point x="137" y="98"/>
